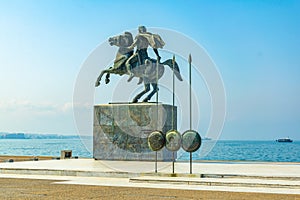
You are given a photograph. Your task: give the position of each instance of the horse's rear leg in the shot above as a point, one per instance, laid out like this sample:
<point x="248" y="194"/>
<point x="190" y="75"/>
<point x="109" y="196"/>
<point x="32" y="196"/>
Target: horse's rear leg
<point x="137" y="97"/>
<point x="155" y="89"/>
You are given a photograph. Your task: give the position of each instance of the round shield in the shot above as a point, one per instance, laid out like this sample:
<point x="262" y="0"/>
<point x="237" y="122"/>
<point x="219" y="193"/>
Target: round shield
<point x="173" y="140"/>
<point x="191" y="141"/>
<point x="156" y="140"/>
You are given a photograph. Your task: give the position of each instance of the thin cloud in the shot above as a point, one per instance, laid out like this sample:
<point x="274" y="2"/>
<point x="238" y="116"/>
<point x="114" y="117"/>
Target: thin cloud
<point x="28" y="107"/>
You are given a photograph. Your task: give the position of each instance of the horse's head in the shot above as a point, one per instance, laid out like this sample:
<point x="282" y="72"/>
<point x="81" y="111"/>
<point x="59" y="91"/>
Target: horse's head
<point x="124" y="40"/>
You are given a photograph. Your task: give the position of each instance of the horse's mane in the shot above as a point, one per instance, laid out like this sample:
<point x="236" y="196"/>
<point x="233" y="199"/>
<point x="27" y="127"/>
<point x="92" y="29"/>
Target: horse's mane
<point x="129" y="36"/>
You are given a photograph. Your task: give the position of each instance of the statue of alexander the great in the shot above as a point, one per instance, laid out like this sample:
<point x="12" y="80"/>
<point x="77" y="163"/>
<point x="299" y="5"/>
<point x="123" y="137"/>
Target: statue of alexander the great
<point x="141" y="42"/>
<point x="139" y="64"/>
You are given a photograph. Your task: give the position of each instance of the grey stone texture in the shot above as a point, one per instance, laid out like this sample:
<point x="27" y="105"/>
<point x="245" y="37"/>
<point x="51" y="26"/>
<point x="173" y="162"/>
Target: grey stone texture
<point x="121" y="131"/>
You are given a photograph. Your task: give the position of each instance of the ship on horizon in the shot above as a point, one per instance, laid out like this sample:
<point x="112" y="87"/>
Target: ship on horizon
<point x="284" y="140"/>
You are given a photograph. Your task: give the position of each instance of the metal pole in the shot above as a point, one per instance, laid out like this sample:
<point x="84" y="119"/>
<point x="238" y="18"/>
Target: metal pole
<point x="191" y="163"/>
<point x="190" y="94"/>
<point x="173" y="62"/>
<point x="173" y="100"/>
<point x="155" y="161"/>
<point x="157" y="63"/>
<point x="173" y="163"/>
<point x="190" y="79"/>
<point x="156" y="109"/>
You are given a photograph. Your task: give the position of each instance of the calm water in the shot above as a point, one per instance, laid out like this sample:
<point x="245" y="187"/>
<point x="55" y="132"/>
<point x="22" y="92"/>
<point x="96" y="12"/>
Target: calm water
<point x="42" y="147"/>
<point x="252" y="151"/>
<point x="223" y="150"/>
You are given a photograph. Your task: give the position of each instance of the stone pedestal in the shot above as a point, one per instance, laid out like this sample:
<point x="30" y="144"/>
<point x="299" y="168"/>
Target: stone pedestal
<point x="121" y="130"/>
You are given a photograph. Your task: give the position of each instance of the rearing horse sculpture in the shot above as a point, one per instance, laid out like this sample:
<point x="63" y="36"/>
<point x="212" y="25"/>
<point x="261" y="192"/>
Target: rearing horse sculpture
<point x="148" y="72"/>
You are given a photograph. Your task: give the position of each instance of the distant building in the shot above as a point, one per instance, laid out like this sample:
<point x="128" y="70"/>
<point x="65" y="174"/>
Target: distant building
<point x="14" y="136"/>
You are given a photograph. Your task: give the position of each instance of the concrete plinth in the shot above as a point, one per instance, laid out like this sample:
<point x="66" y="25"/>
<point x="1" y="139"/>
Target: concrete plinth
<point x="121" y="130"/>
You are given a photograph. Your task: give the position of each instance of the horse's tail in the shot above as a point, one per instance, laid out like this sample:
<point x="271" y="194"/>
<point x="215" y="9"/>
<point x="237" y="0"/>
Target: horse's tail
<point x="169" y="62"/>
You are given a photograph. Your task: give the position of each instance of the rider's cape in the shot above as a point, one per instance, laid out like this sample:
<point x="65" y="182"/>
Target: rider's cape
<point x="154" y="40"/>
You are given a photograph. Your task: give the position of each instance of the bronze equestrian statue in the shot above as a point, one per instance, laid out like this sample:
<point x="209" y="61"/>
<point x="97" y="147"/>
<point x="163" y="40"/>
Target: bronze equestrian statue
<point x="147" y="71"/>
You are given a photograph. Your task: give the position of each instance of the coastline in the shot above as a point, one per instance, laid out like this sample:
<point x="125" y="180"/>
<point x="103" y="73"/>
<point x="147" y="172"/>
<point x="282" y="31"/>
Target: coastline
<point x="12" y="158"/>
<point x="17" y="158"/>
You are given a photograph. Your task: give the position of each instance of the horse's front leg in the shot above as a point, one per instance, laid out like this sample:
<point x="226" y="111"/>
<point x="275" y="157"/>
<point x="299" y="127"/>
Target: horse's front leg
<point x="107" y="80"/>
<point x="100" y="77"/>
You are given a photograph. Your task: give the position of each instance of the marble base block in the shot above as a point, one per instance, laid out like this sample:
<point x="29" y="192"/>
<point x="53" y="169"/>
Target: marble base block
<point x="121" y="130"/>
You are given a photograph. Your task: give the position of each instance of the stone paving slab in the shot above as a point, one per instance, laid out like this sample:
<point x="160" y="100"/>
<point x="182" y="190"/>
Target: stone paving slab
<point x="91" y="167"/>
<point x="125" y="182"/>
<point x="222" y="176"/>
<point x="235" y="182"/>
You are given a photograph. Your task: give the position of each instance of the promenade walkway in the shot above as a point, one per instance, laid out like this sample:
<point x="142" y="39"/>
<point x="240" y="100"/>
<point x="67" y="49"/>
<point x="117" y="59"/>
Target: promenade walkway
<point x="265" y="177"/>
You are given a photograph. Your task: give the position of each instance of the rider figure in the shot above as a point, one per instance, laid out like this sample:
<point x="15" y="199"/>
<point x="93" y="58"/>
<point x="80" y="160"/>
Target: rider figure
<point x="142" y="41"/>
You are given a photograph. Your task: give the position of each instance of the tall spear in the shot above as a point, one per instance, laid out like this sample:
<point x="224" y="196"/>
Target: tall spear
<point x="173" y="156"/>
<point x="157" y="63"/>
<point x="190" y="95"/>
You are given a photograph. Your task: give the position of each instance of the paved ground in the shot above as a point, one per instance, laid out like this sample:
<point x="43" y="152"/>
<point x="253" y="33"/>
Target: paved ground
<point x="133" y="168"/>
<point x="47" y="189"/>
<point x="249" y="177"/>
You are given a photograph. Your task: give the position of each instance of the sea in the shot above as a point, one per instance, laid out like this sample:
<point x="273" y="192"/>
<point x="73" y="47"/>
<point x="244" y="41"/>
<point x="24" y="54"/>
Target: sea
<point x="223" y="150"/>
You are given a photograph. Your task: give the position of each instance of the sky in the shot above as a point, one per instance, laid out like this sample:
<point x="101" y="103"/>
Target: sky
<point x="254" y="44"/>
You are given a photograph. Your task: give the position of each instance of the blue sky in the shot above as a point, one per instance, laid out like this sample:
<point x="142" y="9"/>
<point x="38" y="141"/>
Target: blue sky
<point x="255" y="45"/>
